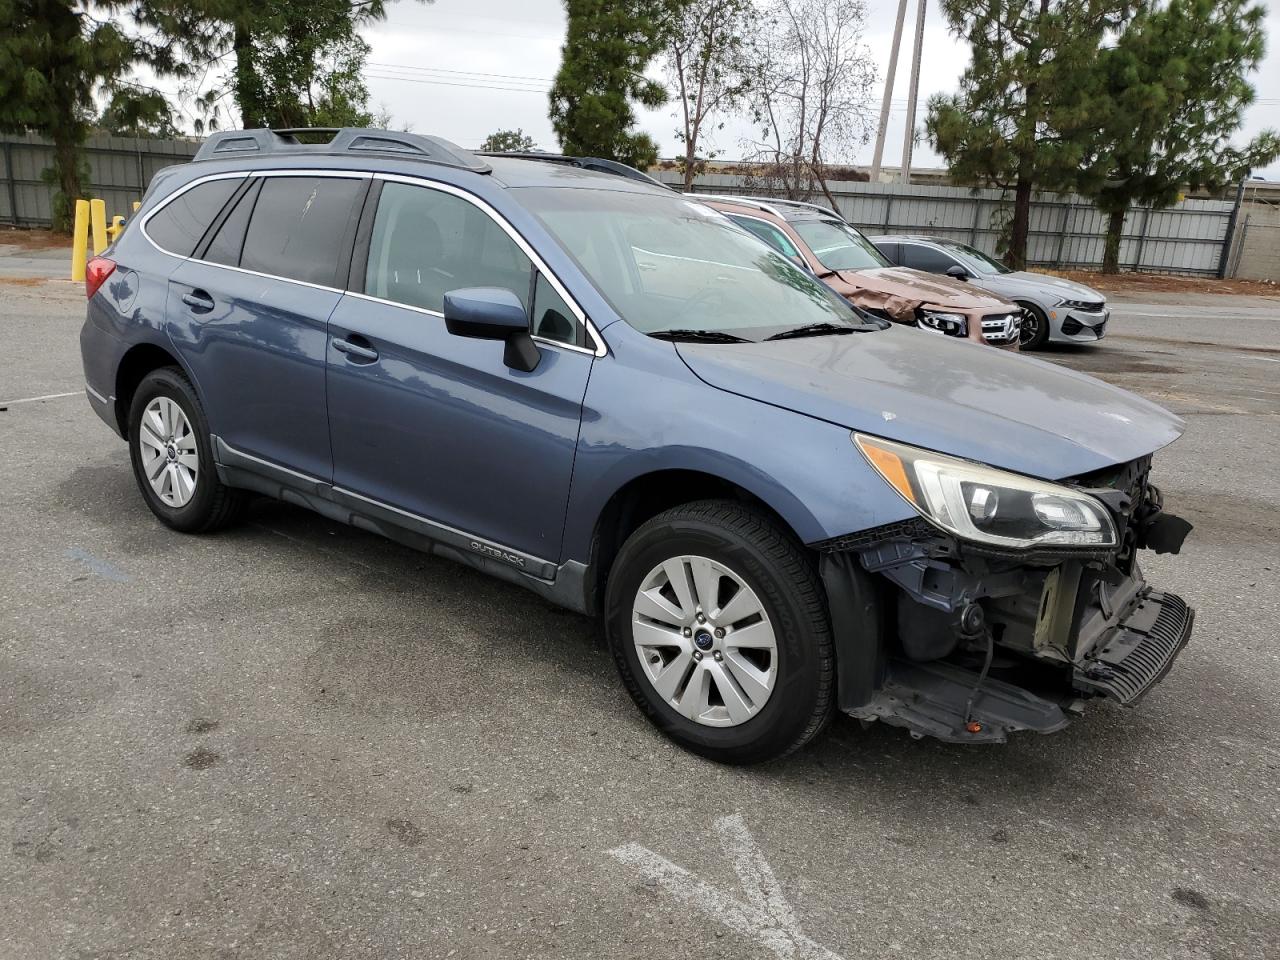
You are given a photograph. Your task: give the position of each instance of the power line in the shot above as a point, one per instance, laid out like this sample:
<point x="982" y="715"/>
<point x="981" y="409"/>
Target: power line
<point x="472" y="73"/>
<point x="454" y="83"/>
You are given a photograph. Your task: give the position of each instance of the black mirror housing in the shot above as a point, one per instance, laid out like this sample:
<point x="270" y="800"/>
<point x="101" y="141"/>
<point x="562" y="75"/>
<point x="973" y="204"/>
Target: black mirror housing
<point x="957" y="271"/>
<point x="492" y="313"/>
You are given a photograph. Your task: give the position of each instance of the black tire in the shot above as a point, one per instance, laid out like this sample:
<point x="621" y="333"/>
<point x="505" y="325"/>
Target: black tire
<point x="1039" y="321"/>
<point x="213" y="505"/>
<point x="775" y="566"/>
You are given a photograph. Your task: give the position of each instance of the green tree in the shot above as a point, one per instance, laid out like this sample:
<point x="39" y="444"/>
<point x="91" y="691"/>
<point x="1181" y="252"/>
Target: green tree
<point x="706" y="63"/>
<point x="137" y="113"/>
<point x="1025" y="115"/>
<point x="56" y="57"/>
<point x="608" y="47"/>
<point x="291" y="64"/>
<point x="1175" y="85"/>
<point x="508" y="141"/>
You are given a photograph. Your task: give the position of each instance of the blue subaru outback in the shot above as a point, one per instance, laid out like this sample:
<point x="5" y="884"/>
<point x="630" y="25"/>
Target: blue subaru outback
<point x="575" y="380"/>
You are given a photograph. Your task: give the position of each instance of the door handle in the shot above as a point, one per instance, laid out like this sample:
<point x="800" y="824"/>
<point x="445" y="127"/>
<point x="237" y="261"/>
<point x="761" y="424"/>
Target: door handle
<point x="198" y="300"/>
<point x="357" y="349"/>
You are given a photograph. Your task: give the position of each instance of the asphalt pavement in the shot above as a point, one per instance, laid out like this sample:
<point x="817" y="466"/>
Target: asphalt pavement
<point x="294" y="739"/>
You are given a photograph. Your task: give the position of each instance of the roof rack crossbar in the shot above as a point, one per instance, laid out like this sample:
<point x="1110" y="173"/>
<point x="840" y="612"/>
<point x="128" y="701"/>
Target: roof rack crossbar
<point x="227" y="143"/>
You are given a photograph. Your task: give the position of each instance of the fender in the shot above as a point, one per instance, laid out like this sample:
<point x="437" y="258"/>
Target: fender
<point x="816" y="481"/>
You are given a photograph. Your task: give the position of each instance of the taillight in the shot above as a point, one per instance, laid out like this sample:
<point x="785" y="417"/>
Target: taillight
<point x="96" y="272"/>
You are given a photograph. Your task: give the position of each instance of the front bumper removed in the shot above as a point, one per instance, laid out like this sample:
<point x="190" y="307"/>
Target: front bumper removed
<point x="1140" y="651"/>
<point x="952" y="703"/>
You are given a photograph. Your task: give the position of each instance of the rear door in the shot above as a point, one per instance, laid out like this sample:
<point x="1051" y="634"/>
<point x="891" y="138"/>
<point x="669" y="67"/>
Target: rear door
<point x="434" y="426"/>
<point x="253" y="304"/>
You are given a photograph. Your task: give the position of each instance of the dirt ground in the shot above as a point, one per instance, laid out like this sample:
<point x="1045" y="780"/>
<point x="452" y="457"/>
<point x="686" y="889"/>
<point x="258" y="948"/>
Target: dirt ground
<point x="34" y="239"/>
<point x="1166" y="283"/>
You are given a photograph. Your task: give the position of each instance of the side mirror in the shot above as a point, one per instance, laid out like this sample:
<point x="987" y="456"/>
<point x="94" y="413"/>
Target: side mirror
<point x="492" y="313"/>
<point x="957" y="271"/>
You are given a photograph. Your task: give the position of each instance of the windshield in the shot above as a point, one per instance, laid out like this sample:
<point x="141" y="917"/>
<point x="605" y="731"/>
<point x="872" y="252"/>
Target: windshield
<point x="670" y="265"/>
<point x="976" y="260"/>
<point x="839" y="246"/>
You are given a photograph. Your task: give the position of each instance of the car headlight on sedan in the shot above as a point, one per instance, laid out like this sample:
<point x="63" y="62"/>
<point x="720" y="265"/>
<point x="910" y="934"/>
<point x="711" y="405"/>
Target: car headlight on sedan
<point x="1089" y="305"/>
<point x="952" y="324"/>
<point x="989" y="506"/>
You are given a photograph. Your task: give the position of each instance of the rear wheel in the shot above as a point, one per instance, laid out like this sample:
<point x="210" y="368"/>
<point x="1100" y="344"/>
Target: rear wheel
<point x="172" y="456"/>
<point x="1034" y="332"/>
<point x="717" y="623"/>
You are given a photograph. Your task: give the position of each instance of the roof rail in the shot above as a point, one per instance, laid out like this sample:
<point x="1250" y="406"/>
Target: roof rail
<point x="598" y="164"/>
<point x="415" y="146"/>
<point x="783" y="203"/>
<point x="745" y="201"/>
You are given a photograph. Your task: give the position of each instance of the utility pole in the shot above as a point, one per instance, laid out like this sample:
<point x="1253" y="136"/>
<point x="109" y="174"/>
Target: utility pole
<point x="908" y="137"/>
<point x="888" y="91"/>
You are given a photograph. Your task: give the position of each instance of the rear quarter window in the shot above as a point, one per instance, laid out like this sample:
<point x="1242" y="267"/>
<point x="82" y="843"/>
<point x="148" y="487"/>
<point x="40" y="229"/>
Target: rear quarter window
<point x="299" y="227"/>
<point x="178" y="226"/>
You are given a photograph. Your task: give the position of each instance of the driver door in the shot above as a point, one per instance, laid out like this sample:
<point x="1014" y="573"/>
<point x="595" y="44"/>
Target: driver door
<point x="435" y="425"/>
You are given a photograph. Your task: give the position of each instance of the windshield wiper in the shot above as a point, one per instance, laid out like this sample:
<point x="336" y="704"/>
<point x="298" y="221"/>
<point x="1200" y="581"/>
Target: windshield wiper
<point x="815" y="330"/>
<point x="699" y="336"/>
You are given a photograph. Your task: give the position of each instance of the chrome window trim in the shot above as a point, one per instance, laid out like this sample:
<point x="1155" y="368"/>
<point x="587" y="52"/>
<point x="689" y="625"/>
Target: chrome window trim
<point x="238" y="175"/>
<point x="245" y="175"/>
<point x="600" y="349"/>
<point x="747" y="216"/>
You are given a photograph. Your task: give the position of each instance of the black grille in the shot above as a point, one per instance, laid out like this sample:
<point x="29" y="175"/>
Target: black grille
<point x="1141" y="650"/>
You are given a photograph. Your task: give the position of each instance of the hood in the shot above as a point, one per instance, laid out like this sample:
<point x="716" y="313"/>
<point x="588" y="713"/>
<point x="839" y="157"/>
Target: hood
<point x="927" y="287"/>
<point x="965" y="399"/>
<point x="1067" y="289"/>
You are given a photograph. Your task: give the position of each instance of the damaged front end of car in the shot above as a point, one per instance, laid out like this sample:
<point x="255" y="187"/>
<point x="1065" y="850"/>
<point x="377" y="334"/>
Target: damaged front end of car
<point x="1007" y="604"/>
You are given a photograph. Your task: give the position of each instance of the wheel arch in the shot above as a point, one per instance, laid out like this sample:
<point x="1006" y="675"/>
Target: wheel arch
<point x="138" y="361"/>
<point x="646" y="495"/>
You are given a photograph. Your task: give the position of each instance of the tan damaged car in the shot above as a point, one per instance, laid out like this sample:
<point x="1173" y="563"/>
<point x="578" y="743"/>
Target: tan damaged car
<point x="838" y="254"/>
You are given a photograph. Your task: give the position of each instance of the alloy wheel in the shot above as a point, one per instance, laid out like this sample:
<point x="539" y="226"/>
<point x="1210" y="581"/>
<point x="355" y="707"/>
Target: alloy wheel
<point x="170" y="457"/>
<point x="705" y="641"/>
<point x="1029" y="329"/>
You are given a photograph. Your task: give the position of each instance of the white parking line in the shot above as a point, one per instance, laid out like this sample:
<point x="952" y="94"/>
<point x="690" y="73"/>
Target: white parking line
<point x="47" y="396"/>
<point x="765" y="916"/>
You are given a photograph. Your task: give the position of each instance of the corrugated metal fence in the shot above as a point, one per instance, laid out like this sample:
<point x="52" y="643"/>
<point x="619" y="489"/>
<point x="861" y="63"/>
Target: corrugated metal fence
<point x="1066" y="230"/>
<point x="119" y="170"/>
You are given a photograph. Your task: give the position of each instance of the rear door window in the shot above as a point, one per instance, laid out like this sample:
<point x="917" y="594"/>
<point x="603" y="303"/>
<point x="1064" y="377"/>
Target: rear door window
<point x="299" y="227"/>
<point x="178" y="226"/>
<point x="930" y="259"/>
<point x="890" y="251"/>
<point x="427" y="242"/>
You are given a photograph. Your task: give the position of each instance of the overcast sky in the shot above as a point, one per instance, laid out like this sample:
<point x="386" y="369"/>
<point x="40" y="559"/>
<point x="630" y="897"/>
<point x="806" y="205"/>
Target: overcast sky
<point x="464" y="68"/>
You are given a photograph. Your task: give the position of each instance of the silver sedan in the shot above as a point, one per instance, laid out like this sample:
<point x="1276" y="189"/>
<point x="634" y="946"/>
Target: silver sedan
<point x="1056" y="309"/>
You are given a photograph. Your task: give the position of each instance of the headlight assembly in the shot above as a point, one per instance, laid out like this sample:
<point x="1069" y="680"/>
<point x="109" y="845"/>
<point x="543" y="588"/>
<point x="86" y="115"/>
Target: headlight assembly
<point x="986" y="505"/>
<point x="1081" y="304"/>
<point x="952" y="324"/>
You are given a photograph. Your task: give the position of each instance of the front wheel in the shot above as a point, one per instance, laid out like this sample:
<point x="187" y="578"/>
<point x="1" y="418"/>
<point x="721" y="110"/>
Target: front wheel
<point x="718" y="625"/>
<point x="1034" y="331"/>
<point x="172" y="456"/>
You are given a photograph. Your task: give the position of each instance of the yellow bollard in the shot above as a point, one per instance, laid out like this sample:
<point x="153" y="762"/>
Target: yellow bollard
<point x="113" y="231"/>
<point x="80" y="240"/>
<point x="98" y="219"/>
